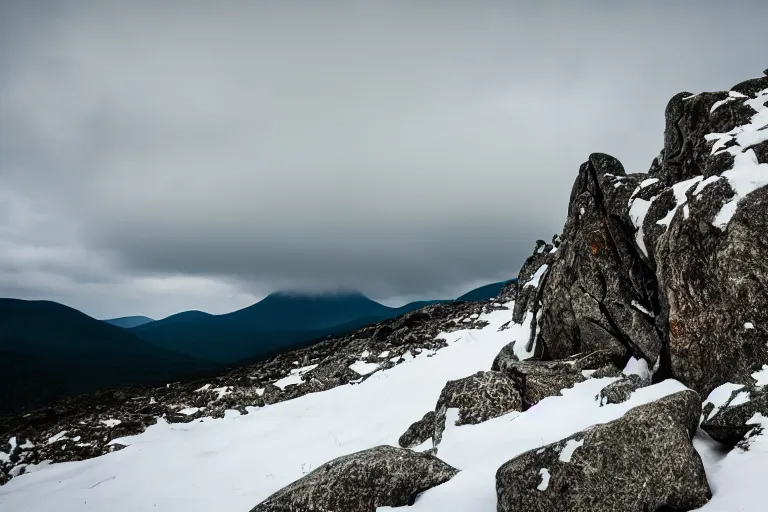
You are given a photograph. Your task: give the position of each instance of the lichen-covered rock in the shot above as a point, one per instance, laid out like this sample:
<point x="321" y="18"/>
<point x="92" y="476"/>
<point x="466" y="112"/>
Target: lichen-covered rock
<point x="478" y="398"/>
<point x="620" y="391"/>
<point x="641" y="462"/>
<point x="420" y="432"/>
<point x="361" y="482"/>
<point x="731" y="422"/>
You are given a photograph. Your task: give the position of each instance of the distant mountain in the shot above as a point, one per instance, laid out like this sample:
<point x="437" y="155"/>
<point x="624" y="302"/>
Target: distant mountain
<point x="486" y="292"/>
<point x="48" y="350"/>
<point x="126" y="322"/>
<point x="279" y="321"/>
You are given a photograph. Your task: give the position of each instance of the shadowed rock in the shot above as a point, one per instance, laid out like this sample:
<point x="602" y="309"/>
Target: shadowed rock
<point x="361" y="482"/>
<point x="730" y="423"/>
<point x="641" y="462"/>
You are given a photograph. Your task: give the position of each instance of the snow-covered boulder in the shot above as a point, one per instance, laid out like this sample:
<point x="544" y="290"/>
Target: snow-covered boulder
<point x="643" y="461"/>
<point x="361" y="482"/>
<point x="742" y="412"/>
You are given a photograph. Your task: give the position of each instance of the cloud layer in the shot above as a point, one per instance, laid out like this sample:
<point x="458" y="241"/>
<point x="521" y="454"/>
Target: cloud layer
<point x="158" y="156"/>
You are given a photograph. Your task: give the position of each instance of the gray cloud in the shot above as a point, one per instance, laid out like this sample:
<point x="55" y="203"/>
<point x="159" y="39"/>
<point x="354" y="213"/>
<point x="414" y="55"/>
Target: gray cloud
<point x="159" y="156"/>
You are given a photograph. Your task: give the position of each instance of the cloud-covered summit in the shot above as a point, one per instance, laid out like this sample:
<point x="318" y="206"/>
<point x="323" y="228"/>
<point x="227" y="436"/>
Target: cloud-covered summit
<point x="159" y="156"/>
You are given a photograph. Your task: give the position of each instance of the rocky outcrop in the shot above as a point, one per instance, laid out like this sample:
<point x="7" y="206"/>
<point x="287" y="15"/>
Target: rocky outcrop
<point x="641" y="462"/>
<point x="667" y="266"/>
<point x="361" y="482"/>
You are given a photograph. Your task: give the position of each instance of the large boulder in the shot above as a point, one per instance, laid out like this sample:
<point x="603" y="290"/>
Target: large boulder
<point x="361" y="482"/>
<point x="710" y="248"/>
<point x="642" y="462"/>
<point x="667" y="266"/>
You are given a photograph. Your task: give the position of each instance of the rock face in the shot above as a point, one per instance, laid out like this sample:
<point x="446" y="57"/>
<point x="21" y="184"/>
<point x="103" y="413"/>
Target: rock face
<point x="643" y="260"/>
<point x="730" y="423"/>
<point x="641" y="462"/>
<point x="361" y="482"/>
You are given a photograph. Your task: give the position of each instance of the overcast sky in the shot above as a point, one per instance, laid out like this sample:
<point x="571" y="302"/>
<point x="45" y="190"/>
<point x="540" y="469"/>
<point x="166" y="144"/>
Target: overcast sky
<point x="162" y="156"/>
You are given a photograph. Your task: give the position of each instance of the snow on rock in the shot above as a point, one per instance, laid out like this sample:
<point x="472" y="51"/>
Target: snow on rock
<point x="384" y="354"/>
<point x="637" y="367"/>
<point x="720" y="396"/>
<point x="294" y="378"/>
<point x="570" y="446"/>
<point x="679" y="190"/>
<point x="638" y="210"/>
<point x="58" y="437"/>
<point x="363" y="368"/>
<point x="761" y="376"/>
<point x="544" y="472"/>
<point x="108" y="423"/>
<point x="189" y="411"/>
<point x="643" y="460"/>
<point x="534" y="281"/>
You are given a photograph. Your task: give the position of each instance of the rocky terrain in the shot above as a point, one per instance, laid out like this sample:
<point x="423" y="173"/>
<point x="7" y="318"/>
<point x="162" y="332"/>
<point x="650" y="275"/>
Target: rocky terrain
<point x="86" y="426"/>
<point x="634" y="379"/>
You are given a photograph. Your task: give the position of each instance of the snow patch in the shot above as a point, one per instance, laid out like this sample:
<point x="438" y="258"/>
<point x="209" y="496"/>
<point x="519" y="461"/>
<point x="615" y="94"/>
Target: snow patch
<point x="571" y="446"/>
<point x="742" y="398"/>
<point x="363" y="368"/>
<point x="638" y="210"/>
<point x="189" y="411"/>
<point x="720" y="395"/>
<point x="544" y="472"/>
<point x="679" y="190"/>
<point x="295" y="376"/>
<point x="637" y="367"/>
<point x="761" y="376"/>
<point x="384" y="354"/>
<point x="58" y="437"/>
<point x="109" y="423"/>
<point x="536" y="278"/>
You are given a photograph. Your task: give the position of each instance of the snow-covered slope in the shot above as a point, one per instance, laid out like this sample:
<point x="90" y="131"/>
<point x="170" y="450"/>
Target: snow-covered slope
<point x="231" y="464"/>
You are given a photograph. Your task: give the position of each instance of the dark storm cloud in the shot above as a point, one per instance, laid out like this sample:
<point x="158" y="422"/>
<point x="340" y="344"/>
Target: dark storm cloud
<point x="168" y="155"/>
